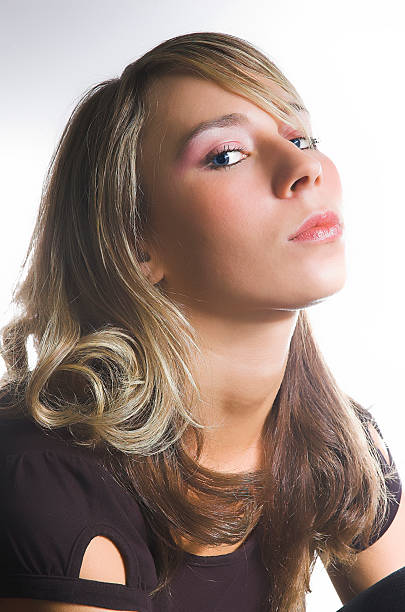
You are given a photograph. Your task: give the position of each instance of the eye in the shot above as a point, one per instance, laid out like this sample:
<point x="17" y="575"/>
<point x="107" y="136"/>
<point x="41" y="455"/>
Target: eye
<point x="312" y="145"/>
<point x="219" y="159"/>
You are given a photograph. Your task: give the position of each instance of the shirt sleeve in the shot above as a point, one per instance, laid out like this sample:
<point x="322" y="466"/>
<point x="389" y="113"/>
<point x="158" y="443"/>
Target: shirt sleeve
<point x="393" y="482"/>
<point x="53" y="503"/>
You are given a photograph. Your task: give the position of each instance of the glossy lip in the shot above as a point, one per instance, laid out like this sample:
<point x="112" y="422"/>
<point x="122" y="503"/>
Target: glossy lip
<point x="325" y="219"/>
<point x="324" y="233"/>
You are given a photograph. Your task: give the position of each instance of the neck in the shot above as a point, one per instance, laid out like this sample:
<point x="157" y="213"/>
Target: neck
<point x="239" y="373"/>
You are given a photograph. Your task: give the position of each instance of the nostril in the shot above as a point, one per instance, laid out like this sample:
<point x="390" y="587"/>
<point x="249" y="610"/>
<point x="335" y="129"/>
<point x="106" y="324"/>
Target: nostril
<point x="302" y="179"/>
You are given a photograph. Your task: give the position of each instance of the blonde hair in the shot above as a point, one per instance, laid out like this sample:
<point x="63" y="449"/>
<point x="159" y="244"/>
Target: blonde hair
<point x="114" y="352"/>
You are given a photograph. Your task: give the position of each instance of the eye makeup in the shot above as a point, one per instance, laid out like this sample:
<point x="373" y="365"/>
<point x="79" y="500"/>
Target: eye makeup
<point x="225" y="151"/>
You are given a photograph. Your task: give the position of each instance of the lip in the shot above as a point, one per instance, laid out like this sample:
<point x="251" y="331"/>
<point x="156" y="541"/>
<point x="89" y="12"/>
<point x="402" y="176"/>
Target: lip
<point x="324" y="220"/>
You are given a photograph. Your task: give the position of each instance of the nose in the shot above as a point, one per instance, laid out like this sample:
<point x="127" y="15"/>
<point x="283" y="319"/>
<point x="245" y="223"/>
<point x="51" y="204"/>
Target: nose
<point x="294" y="169"/>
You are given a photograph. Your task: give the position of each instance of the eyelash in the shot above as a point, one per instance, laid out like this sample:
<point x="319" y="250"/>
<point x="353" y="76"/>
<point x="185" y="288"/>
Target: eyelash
<point x="227" y="148"/>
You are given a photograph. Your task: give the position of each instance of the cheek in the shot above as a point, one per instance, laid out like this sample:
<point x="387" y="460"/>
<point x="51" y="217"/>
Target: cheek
<point x="220" y="209"/>
<point x="208" y="231"/>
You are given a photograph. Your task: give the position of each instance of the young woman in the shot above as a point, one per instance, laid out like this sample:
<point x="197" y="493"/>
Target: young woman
<point x="180" y="443"/>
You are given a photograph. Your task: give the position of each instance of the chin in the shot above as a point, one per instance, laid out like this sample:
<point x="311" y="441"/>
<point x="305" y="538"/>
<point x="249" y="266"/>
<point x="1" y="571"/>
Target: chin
<point x="322" y="282"/>
<point x="308" y="293"/>
<point x="318" y="296"/>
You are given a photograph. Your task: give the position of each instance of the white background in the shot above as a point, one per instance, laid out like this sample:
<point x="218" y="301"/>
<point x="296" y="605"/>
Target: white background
<point x="346" y="60"/>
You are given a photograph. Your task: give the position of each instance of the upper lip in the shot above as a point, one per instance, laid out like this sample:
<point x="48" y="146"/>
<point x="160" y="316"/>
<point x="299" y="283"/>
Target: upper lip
<point x="319" y="219"/>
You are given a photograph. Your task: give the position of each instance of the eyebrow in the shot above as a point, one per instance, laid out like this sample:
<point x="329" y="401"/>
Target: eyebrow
<point x="225" y="121"/>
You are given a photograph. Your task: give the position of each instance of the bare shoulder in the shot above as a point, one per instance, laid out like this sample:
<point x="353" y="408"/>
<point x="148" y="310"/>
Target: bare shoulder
<point x="378" y="442"/>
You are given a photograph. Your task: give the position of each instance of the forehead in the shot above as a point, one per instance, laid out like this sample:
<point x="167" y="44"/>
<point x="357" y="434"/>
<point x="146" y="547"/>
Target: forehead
<point x="192" y="91"/>
<point x="178" y="102"/>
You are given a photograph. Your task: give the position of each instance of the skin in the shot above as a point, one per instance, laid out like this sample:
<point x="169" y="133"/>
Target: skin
<point x="218" y="244"/>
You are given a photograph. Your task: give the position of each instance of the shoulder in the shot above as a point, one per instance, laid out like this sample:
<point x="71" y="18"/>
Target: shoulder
<point x="19" y="432"/>
<point x="57" y="476"/>
<point x="50" y="486"/>
<point x="58" y="502"/>
<point x="385" y="554"/>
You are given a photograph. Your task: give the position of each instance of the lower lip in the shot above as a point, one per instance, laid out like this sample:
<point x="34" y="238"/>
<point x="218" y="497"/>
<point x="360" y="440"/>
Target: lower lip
<point x="320" y="234"/>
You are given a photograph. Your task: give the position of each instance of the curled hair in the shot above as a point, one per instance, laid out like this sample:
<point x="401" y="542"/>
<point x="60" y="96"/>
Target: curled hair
<point x="114" y="353"/>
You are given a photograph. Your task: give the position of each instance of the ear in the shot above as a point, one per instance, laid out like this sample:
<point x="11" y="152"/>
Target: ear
<point x="150" y="264"/>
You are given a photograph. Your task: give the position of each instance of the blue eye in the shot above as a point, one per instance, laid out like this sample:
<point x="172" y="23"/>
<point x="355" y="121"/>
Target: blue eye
<point x="313" y="141"/>
<point x="223" y="156"/>
<point x="220" y="159"/>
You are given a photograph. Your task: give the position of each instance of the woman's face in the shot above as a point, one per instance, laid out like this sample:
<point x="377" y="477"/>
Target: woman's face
<point x="222" y="233"/>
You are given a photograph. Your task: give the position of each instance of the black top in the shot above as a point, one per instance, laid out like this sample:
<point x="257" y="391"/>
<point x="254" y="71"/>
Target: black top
<point x="56" y="497"/>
